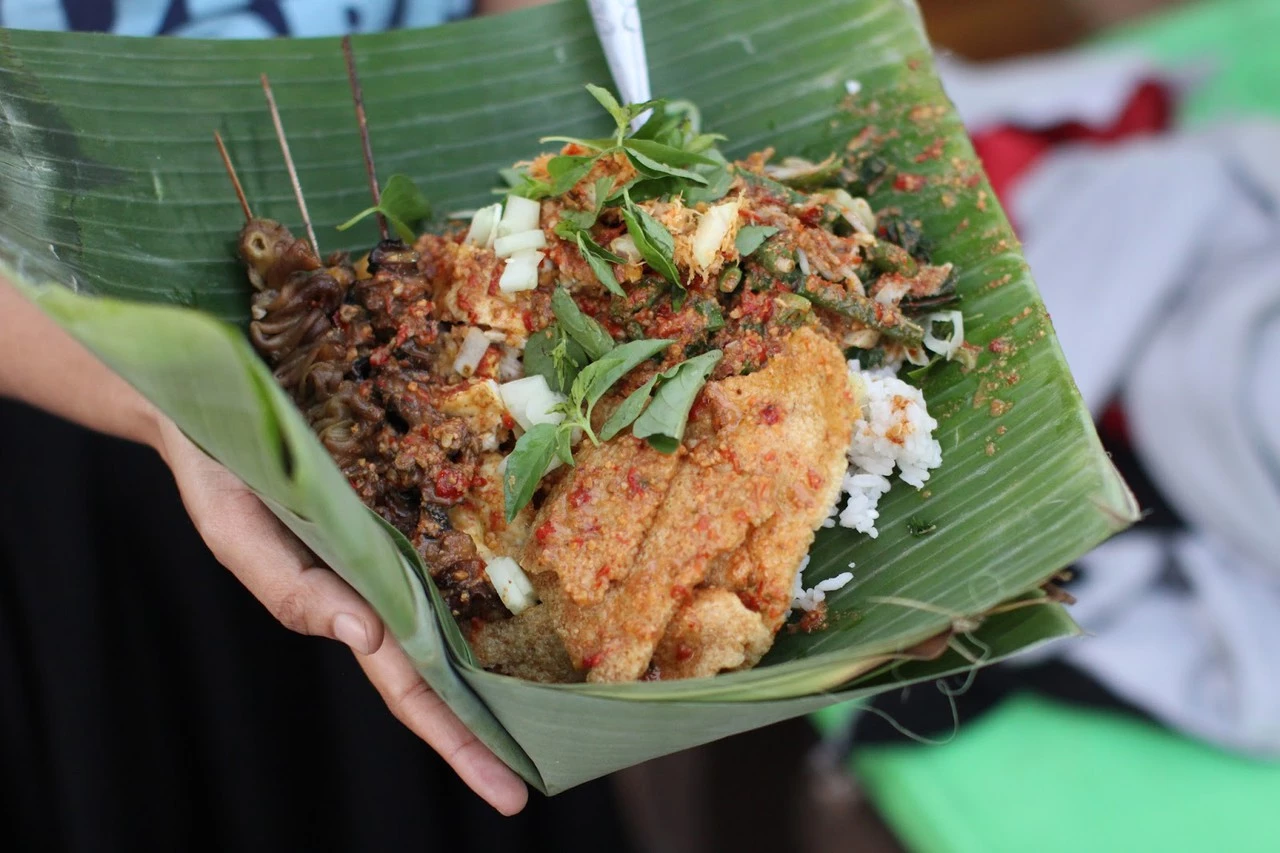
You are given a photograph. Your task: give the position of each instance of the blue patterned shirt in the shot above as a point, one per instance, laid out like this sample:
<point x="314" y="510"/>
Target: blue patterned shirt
<point x="229" y="18"/>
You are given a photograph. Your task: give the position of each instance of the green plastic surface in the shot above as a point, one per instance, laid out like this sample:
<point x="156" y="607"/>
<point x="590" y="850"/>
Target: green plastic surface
<point x="1039" y="776"/>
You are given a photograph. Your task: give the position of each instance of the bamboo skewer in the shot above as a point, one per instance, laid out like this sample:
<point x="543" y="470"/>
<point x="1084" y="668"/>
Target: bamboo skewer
<point x="231" y="173"/>
<point x="358" y="96"/>
<point x="288" y="162"/>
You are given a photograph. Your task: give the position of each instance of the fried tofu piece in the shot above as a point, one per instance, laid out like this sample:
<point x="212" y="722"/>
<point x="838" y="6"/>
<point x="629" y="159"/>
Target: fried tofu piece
<point x="734" y="509"/>
<point x="712" y="633"/>
<point x="524" y="646"/>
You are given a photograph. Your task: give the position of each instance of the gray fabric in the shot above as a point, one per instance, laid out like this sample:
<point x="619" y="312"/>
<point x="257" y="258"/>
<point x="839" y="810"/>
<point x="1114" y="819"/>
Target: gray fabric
<point x="1159" y="260"/>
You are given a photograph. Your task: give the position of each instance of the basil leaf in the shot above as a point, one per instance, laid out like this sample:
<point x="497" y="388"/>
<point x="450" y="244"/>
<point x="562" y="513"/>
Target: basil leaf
<point x="617" y="364"/>
<point x="603" y="190"/>
<point x="571" y="222"/>
<point x="526" y="465"/>
<point x="401" y="204"/>
<point x="751" y="236"/>
<point x="654" y="168"/>
<point x="610" y="103"/>
<point x="554" y="356"/>
<point x="564" y="449"/>
<point x="653" y="241"/>
<point x="589" y="334"/>
<point x="599" y="260"/>
<point x="591" y="378"/>
<point x="663" y="422"/>
<point x="661" y="126"/>
<point x="567" y="169"/>
<point x="402" y="199"/>
<point x="628" y="411"/>
<point x="403" y="231"/>
<point x="622" y="116"/>
<point x="719" y="182"/>
<point x="666" y="154"/>
<point x="353" y="220"/>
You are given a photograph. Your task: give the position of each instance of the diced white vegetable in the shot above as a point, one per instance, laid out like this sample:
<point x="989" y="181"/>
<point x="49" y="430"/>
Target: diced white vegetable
<point x="856" y="211"/>
<point x="625" y="247"/>
<point x="473" y="348"/>
<point x="505" y="247"/>
<point x="530" y="400"/>
<point x="950" y="346"/>
<point x="512" y="584"/>
<point x="521" y="214"/>
<point x="521" y="272"/>
<point x="484" y="226"/>
<point x="712" y="229"/>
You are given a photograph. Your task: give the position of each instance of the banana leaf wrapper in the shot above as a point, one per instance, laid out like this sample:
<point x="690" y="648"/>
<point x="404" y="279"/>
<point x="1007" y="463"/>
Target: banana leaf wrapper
<point x="116" y="217"/>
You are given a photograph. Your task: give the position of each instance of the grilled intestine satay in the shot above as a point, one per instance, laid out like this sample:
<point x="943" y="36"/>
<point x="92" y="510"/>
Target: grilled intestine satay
<point x="360" y="357"/>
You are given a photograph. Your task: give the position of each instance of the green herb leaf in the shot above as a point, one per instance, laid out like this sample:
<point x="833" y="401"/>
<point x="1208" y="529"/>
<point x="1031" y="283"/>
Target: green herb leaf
<point x="353" y="220"/>
<point x="554" y="356"/>
<point x="567" y="169"/>
<point x="403" y="231"/>
<point x="663" y="422"/>
<point x="401" y="204"/>
<point x="571" y="222"/>
<point x="617" y="364"/>
<point x="597" y="145"/>
<point x="719" y="182"/>
<point x="610" y="103"/>
<point x="402" y="199"/>
<point x="590" y="335"/>
<point x="652" y="167"/>
<point x="564" y="447"/>
<point x="526" y="465"/>
<point x="603" y="191"/>
<point x="751" y="236"/>
<point x="630" y="409"/>
<point x="667" y="154"/>
<point x="653" y="241"/>
<point x="522" y="184"/>
<point x="599" y="259"/>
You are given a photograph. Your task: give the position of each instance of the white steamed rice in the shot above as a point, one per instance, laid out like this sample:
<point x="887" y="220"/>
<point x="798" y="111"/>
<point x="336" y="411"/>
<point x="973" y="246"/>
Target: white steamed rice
<point x="894" y="431"/>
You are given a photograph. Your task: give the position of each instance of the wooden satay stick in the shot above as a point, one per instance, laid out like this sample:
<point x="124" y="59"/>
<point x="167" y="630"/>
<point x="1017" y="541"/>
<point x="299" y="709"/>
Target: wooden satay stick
<point x="358" y="96"/>
<point x="231" y="173"/>
<point x="288" y="162"/>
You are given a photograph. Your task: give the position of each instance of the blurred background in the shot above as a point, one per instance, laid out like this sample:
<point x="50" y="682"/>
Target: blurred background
<point x="1134" y="144"/>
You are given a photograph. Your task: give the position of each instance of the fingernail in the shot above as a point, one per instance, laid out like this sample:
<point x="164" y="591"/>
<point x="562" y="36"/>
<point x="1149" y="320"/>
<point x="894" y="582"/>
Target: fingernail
<point x="350" y="631"/>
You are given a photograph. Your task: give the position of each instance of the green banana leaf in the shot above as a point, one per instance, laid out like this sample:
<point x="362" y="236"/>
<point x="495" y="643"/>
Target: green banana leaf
<point x="117" y="219"/>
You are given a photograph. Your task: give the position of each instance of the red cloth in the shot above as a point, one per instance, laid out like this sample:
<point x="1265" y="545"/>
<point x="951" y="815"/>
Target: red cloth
<point x="1008" y="152"/>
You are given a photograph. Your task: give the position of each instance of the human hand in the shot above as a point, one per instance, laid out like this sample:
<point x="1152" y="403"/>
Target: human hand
<point x="308" y="598"/>
<point x="43" y="366"/>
